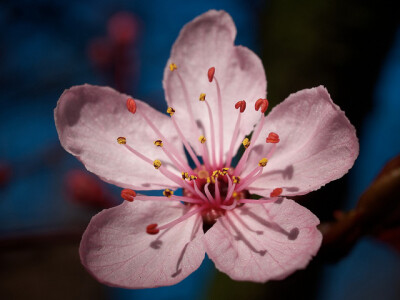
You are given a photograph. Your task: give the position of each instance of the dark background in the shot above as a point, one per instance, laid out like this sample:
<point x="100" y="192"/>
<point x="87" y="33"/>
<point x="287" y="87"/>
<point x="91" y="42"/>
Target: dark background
<point x="46" y="197"/>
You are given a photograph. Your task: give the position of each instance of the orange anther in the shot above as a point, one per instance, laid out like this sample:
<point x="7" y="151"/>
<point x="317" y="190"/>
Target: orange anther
<point x="121" y="140"/>
<point x="152" y="229"/>
<point x="263" y="104"/>
<point x="276" y="192"/>
<point x="128" y="195"/>
<point x="272" y="138"/>
<point x="241" y="104"/>
<point x="168" y="193"/>
<point x="131" y="105"/>
<point x="211" y="72"/>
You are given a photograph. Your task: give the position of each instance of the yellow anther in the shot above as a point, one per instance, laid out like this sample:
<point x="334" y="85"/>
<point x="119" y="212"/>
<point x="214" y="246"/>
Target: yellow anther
<point x="263" y="162"/>
<point x="215" y="173"/>
<point x="235" y="195"/>
<point x="157" y="164"/>
<point x="168" y="193"/>
<point x="224" y="171"/>
<point x="236" y="179"/>
<point x="121" y="140"/>
<point x="172" y="67"/>
<point x="246" y="143"/>
<point x="185" y="175"/>
<point x="158" y="143"/>
<point x="202" y="139"/>
<point x="202" y="97"/>
<point x="208" y="179"/>
<point x="171" y="111"/>
<point x="193" y="177"/>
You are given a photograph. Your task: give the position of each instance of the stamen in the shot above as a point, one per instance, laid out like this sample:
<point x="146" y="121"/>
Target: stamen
<point x="217" y="193"/>
<point x="181" y="219"/>
<point x="246" y="143"/>
<point x="121" y="140"/>
<point x="171" y="151"/>
<point x="272" y="138"/>
<point x="128" y="195"/>
<point x="172" y="67"/>
<point x="276" y="192"/>
<point x="263" y="104"/>
<point x="158" y="143"/>
<point x="202" y="139"/>
<point x="263" y="162"/>
<point x="171" y="198"/>
<point x="246" y="153"/>
<point x="193" y="177"/>
<point x="170" y="111"/>
<point x="210" y="74"/>
<point x="168" y="193"/>
<point x="152" y="229"/>
<point x="131" y="105"/>
<point x="208" y="194"/>
<point x="250" y="178"/>
<point x="210" y="116"/>
<point x="185" y="175"/>
<point x="202" y="97"/>
<point x="242" y="106"/>
<point x="185" y="142"/>
<point x="199" y="193"/>
<point x="236" y="179"/>
<point x="157" y="164"/>
<point x="176" y="179"/>
<point x="221" y="122"/>
<point x="257" y="201"/>
<point x="231" y="190"/>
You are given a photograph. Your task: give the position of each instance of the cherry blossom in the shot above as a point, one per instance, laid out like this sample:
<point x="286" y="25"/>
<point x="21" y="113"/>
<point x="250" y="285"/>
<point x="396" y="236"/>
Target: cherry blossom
<point x="216" y="96"/>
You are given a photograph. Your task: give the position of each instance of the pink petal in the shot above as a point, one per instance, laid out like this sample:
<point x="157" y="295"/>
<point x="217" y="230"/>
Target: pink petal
<point x="207" y="42"/>
<point x="317" y="144"/>
<point x="265" y="241"/>
<point x="116" y="249"/>
<point x="89" y="119"/>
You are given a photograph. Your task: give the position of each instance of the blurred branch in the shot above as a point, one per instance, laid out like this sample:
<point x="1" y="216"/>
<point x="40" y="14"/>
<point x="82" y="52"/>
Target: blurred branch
<point x="377" y="213"/>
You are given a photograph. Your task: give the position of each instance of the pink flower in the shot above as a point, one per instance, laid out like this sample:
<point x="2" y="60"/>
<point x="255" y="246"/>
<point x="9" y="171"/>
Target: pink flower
<point x="304" y="142"/>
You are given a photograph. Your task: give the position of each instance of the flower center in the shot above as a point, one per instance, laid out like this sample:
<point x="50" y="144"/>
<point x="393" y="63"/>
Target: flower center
<point x="213" y="187"/>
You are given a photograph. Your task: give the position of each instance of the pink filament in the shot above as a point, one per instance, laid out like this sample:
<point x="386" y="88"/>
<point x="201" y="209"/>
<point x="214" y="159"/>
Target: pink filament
<point x="181" y="219"/>
<point x="233" y="141"/>
<point x="220" y="125"/>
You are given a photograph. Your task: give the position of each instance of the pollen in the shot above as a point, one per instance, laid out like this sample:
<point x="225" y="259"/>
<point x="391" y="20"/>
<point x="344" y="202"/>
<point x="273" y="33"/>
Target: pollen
<point x="168" y="193"/>
<point x="131" y="105"/>
<point x="128" y="195"/>
<point x="185" y="175"/>
<point x="236" y="179"/>
<point x="261" y="104"/>
<point x="224" y="171"/>
<point x="263" y="162"/>
<point x="193" y="177"/>
<point x="170" y="111"/>
<point x="272" y="138"/>
<point x="276" y="192"/>
<point x="152" y="229"/>
<point x="172" y="67"/>
<point x="157" y="164"/>
<point x="246" y="143"/>
<point x="202" y="97"/>
<point x="210" y="74"/>
<point x="202" y="139"/>
<point x="158" y="143"/>
<point x="121" y="140"/>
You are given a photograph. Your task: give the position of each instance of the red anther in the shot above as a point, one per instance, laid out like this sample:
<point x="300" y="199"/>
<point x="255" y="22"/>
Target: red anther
<point x="241" y="104"/>
<point x="263" y="104"/>
<point x="152" y="229"/>
<point x="131" y="105"/>
<point x="276" y="192"/>
<point x="211" y="72"/>
<point x="272" y="138"/>
<point x="128" y="195"/>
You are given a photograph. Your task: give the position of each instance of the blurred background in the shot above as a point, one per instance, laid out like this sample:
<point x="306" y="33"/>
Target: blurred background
<point x="47" y="198"/>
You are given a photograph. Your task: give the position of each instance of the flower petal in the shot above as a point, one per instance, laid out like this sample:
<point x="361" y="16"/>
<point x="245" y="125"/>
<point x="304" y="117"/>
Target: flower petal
<point x="260" y="242"/>
<point x="317" y="144"/>
<point x="116" y="249"/>
<point x="89" y="119"/>
<point x="207" y="42"/>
